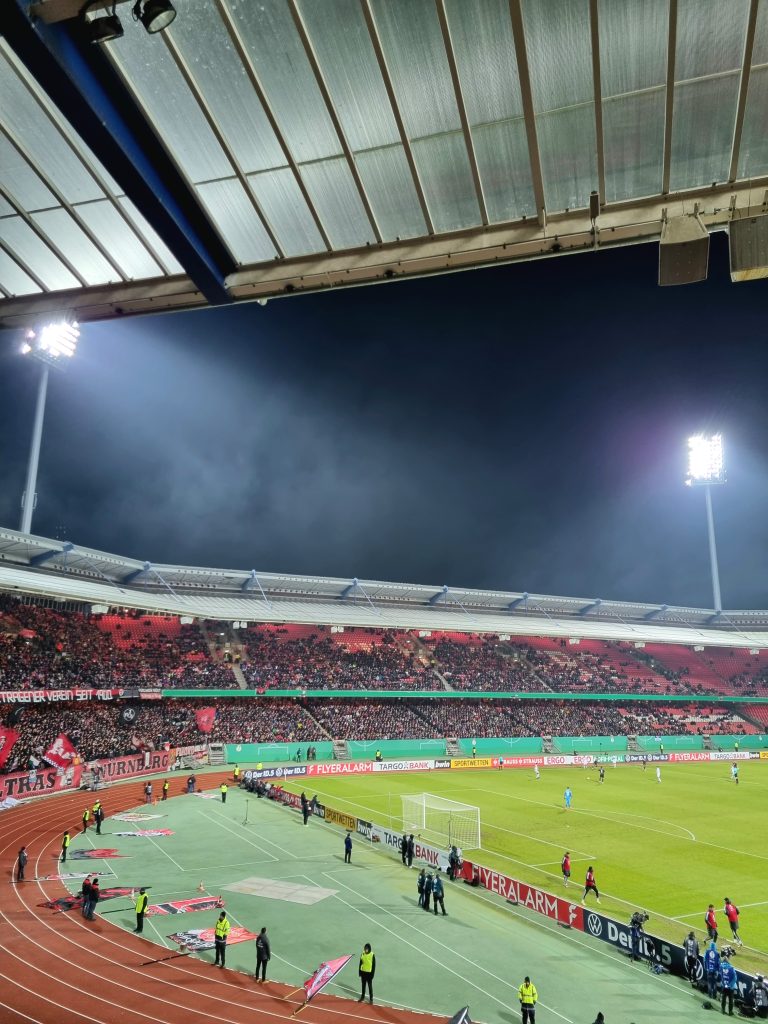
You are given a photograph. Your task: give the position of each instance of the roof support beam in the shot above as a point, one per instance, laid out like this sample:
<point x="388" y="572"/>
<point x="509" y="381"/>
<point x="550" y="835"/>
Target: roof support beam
<point x="186" y="73"/>
<point x="62" y="201"/>
<point x="441" y="595"/>
<point x="655" y="612"/>
<point x="746" y="67"/>
<point x="378" y="49"/>
<point x="314" y="63"/>
<point x="137" y="573"/>
<point x="591" y="607"/>
<point x="250" y="69"/>
<point x="350" y="589"/>
<point x="86" y="88"/>
<point x="468" y="141"/>
<point x="46" y="556"/>
<point x="523" y="71"/>
<point x="597" y="87"/>
<point x="669" y="107"/>
<point x="523" y="599"/>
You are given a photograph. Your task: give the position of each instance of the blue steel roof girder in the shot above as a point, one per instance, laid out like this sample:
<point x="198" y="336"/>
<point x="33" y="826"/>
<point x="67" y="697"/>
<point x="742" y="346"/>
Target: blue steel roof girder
<point x="86" y="88"/>
<point x="46" y="556"/>
<point x="137" y="573"/>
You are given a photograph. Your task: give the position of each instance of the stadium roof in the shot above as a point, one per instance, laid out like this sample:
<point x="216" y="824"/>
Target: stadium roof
<point x="257" y="149"/>
<point x="67" y="572"/>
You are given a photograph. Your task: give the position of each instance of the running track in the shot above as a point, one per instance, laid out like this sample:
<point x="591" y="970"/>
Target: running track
<point x="57" y="968"/>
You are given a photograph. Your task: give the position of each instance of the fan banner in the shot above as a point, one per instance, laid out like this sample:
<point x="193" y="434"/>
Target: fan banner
<point x="324" y="974"/>
<point x="146" y="833"/>
<point x="63" y="903"/>
<point x="128" y="715"/>
<point x="135" y="816"/>
<point x="205" y="717"/>
<point x="93" y="854"/>
<point x="61" y="753"/>
<point x="148" y="762"/>
<point x="22" y="785"/>
<point x="196" y="939"/>
<point x="186" y="906"/>
<point x="72" y="875"/>
<point x="8" y="738"/>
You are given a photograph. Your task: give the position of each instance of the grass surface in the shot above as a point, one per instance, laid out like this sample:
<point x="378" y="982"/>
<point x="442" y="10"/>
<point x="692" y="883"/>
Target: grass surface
<point x="669" y="848"/>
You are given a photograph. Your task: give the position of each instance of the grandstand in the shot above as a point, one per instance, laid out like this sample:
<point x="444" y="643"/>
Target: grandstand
<point x="354" y="661"/>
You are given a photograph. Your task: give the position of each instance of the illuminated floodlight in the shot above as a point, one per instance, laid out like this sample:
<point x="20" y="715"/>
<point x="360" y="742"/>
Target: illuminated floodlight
<point x="53" y="343"/>
<point x="155" y="15"/>
<point x="706" y="463"/>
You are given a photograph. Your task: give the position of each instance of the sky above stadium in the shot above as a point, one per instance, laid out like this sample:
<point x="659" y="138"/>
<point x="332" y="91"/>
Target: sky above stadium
<point x="520" y="428"/>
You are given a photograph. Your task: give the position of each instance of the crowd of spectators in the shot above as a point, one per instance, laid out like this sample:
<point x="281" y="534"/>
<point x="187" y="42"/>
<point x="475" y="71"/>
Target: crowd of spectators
<point x="55" y="648"/>
<point x="97" y="729"/>
<point x="44" y="648"/>
<point x="321" y="660"/>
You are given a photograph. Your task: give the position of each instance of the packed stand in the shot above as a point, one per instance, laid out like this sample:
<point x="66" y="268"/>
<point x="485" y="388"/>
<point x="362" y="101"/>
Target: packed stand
<point x="314" y="658"/>
<point x="44" y="648"/>
<point x="475" y="663"/>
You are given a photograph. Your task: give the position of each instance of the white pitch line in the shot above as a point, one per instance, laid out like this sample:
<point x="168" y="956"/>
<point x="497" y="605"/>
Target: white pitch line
<point x="451" y="949"/>
<point x="242" y="837"/>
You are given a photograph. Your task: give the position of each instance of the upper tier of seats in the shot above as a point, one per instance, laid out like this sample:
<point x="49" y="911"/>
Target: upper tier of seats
<point x="47" y="648"/>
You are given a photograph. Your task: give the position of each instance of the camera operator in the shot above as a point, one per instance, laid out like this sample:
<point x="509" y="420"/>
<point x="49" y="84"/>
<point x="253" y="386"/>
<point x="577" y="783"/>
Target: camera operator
<point x="636" y="931"/>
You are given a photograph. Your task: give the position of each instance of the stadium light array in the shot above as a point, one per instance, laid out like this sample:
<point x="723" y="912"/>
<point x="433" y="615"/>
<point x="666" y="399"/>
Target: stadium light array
<point x="706" y="462"/>
<point x="53" y="343"/>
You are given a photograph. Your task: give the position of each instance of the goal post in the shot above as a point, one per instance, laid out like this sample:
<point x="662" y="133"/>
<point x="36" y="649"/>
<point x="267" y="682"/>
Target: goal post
<point x="439" y="820"/>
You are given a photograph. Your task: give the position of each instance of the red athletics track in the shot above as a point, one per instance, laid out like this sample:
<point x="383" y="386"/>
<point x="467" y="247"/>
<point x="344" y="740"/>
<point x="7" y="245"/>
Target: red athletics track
<point x="61" y="969"/>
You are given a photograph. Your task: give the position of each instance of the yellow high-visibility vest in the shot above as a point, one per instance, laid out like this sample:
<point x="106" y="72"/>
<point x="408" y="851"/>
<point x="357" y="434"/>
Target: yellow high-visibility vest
<point x="527" y="994"/>
<point x="222" y="929"/>
<point x="366" y="962"/>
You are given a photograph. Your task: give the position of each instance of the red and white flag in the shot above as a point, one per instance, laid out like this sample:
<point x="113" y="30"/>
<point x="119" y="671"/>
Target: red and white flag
<point x="61" y="753"/>
<point x="324" y="974"/>
<point x="205" y="717"/>
<point x="7" y="739"/>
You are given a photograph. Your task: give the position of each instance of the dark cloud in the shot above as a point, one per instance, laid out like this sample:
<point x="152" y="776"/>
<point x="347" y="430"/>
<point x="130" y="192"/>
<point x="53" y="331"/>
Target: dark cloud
<point x="518" y="428"/>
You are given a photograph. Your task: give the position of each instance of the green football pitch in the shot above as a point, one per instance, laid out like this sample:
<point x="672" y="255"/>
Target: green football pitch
<point x="669" y="848"/>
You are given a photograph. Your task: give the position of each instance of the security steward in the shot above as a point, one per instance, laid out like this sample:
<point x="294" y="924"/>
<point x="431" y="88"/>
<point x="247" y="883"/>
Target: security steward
<point x="65" y="846"/>
<point x="220" y="939"/>
<point x="86" y="816"/>
<point x="366" y="971"/>
<point x="224" y="788"/>
<point x="236" y="775"/>
<point x="166" y="787"/>
<point x="528" y="995"/>
<point x="98" y="816"/>
<point x="141" y="908"/>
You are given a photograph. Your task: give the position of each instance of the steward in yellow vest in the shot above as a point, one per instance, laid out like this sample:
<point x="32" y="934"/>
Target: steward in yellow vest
<point x="366" y="971"/>
<point x="221" y="932"/>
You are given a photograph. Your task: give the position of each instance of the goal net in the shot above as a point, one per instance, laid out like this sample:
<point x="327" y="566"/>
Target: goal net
<point x="441" y="821"/>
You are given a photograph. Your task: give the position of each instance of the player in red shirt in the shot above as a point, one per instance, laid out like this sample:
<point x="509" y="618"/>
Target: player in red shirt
<point x="711" y="922"/>
<point x="590" y="885"/>
<point x="732" y="913"/>
<point x="565" y="867"/>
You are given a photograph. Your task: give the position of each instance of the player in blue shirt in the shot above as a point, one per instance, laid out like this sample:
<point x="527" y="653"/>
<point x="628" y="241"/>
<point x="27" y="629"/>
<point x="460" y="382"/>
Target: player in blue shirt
<point x="568" y="796"/>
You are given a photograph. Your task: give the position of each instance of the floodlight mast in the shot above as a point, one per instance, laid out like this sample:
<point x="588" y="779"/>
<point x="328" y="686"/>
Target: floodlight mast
<point x="52" y="345"/>
<point x="706" y="466"/>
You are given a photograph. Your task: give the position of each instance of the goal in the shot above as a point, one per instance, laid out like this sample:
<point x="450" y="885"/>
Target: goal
<point x="442" y="821"/>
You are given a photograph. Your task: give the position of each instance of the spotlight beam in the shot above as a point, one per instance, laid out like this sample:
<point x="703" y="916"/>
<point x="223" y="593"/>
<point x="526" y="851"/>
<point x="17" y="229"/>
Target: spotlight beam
<point x="706" y="467"/>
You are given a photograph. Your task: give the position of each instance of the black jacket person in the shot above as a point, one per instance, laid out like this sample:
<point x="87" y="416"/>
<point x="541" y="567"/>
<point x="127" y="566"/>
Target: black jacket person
<point x="263" y="955"/>
<point x="366" y="971"/>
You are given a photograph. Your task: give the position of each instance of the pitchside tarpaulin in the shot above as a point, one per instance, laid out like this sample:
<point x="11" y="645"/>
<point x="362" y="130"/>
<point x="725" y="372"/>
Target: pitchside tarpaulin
<point x="147" y="833"/>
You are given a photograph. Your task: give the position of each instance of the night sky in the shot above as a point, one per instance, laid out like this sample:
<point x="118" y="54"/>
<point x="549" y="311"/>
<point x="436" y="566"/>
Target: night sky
<point x="520" y="428"/>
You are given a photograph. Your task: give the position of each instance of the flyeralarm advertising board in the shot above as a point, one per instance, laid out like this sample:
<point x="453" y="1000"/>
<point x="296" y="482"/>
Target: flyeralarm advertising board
<point x="541" y="902"/>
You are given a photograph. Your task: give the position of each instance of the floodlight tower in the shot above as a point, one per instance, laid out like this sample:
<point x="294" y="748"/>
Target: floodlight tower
<point x="706" y="467"/>
<point x="52" y="345"/>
